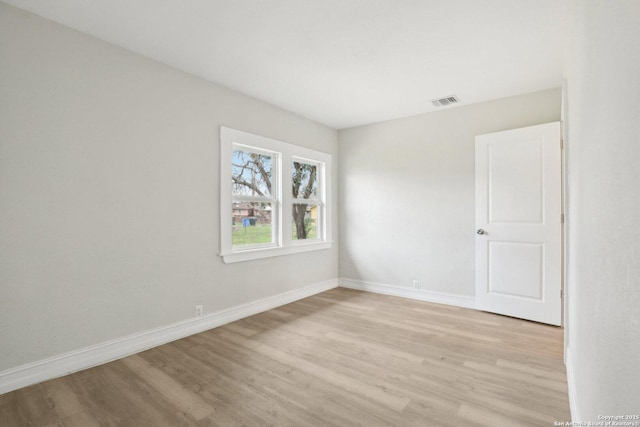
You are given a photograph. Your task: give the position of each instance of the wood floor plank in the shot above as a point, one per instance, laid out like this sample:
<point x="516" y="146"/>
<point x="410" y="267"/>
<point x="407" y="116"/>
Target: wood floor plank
<point x="340" y="358"/>
<point x="183" y="399"/>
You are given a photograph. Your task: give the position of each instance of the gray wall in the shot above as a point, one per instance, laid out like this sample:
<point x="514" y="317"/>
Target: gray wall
<point x="407" y="201"/>
<point x="602" y="113"/>
<point x="109" y="188"/>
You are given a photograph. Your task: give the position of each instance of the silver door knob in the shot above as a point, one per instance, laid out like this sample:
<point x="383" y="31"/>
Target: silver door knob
<point x="481" y="231"/>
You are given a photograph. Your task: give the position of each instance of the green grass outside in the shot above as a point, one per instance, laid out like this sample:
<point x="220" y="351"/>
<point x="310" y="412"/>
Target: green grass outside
<point x="252" y="235"/>
<point x="312" y="231"/>
<point x="261" y="233"/>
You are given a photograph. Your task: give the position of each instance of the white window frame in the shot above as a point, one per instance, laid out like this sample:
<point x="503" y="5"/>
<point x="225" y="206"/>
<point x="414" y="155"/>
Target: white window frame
<point x="282" y="200"/>
<point x="273" y="199"/>
<point x="319" y="200"/>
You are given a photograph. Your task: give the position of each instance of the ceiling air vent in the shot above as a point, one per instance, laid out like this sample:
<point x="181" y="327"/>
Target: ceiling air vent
<point x="447" y="100"/>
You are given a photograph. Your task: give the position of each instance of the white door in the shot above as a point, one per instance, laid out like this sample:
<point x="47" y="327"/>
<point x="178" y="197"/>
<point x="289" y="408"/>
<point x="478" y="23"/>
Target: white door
<point x="518" y="223"/>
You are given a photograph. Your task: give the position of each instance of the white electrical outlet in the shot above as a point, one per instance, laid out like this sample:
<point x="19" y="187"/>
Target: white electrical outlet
<point x="416" y="284"/>
<point x="199" y="310"/>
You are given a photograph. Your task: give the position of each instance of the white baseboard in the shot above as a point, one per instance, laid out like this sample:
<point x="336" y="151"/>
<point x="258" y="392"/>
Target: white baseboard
<point x="418" y="294"/>
<point x="73" y="361"/>
<point x="571" y="384"/>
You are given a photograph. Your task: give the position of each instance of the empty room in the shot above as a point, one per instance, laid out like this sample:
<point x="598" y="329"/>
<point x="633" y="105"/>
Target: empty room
<point x="319" y="213"/>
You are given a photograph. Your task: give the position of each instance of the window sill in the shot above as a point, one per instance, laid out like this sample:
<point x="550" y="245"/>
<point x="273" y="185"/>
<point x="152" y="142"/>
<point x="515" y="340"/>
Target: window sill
<point x="251" y="254"/>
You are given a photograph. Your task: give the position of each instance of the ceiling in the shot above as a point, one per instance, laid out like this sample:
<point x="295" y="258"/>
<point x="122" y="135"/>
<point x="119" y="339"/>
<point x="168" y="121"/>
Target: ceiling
<point x="342" y="63"/>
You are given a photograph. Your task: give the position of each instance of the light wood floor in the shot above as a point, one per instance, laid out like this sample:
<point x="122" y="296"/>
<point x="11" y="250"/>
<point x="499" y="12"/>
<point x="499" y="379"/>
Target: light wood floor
<point x="340" y="358"/>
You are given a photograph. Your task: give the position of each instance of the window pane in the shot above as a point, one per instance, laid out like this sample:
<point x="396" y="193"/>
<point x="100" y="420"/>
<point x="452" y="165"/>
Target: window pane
<point x="251" y="173"/>
<point x="305" y="221"/>
<point x="304" y="180"/>
<point x="251" y="223"/>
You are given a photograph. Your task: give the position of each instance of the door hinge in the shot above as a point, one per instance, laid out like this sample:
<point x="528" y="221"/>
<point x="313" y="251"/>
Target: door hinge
<point x="561" y="293"/>
<point x="561" y="218"/>
<point x="562" y="144"/>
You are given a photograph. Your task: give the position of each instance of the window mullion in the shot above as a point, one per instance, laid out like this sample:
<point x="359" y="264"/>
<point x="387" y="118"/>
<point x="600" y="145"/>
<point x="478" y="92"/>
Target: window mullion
<point x="322" y="203"/>
<point x="287" y="199"/>
<point x="277" y="204"/>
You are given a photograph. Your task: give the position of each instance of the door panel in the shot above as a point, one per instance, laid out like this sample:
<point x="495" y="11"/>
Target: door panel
<point x="515" y="269"/>
<point x="515" y="175"/>
<point x="518" y="218"/>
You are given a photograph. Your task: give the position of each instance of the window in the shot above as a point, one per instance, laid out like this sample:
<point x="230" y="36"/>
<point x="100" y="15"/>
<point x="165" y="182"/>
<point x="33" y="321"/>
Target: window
<point x="253" y="181"/>
<point x="305" y="203"/>
<point x="273" y="197"/>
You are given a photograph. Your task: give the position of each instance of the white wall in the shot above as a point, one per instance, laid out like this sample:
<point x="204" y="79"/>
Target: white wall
<point x="603" y="151"/>
<point x="408" y="192"/>
<point x="109" y="187"/>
